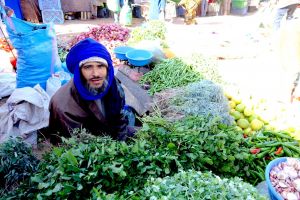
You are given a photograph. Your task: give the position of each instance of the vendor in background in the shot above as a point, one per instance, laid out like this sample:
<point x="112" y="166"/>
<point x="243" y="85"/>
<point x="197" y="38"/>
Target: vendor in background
<point x="115" y="6"/>
<point x="94" y="5"/>
<point x="93" y="99"/>
<point x="31" y="11"/>
<point x="157" y="9"/>
<point x="170" y="10"/>
<point x="284" y="8"/>
<point x="190" y="7"/>
<point x="225" y="7"/>
<point x="204" y="7"/>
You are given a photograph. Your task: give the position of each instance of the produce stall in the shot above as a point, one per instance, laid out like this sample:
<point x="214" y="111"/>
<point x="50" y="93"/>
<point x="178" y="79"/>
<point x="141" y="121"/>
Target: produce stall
<point x="200" y="135"/>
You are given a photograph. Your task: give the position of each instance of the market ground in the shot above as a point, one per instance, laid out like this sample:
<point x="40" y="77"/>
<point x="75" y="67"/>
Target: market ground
<point x="245" y="53"/>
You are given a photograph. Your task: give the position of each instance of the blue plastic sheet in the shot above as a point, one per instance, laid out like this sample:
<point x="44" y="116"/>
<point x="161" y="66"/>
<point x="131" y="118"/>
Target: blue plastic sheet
<point x="37" y="51"/>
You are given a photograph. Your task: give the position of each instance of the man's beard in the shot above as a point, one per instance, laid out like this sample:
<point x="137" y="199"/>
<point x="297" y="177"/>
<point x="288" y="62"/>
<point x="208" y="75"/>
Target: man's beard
<point x="96" y="91"/>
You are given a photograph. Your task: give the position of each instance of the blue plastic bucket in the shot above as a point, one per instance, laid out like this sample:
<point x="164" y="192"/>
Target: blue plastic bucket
<point x="121" y="51"/>
<point x="273" y="194"/>
<point x="139" y="57"/>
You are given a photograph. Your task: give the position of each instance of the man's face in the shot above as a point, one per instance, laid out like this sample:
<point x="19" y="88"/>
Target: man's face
<point x="94" y="74"/>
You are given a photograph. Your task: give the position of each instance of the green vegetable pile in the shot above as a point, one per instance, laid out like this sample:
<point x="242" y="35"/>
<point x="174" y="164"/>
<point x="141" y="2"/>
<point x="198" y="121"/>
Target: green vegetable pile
<point x="151" y="30"/>
<point x="99" y="167"/>
<point x="171" y="73"/>
<point x="198" y="185"/>
<point x="200" y="143"/>
<point x="112" y="167"/>
<point x="268" y="145"/>
<point x="203" y="98"/>
<point x="205" y="66"/>
<point x="16" y="163"/>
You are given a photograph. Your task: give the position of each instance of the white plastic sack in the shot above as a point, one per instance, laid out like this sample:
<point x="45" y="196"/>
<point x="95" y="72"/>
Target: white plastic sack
<point x="53" y="84"/>
<point x="7" y="84"/>
<point x="56" y="81"/>
<point x="5" y="65"/>
<point x="24" y="112"/>
<point x="154" y="47"/>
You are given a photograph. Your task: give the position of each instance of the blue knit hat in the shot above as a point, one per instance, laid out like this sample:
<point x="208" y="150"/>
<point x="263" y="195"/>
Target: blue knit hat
<point x="81" y="51"/>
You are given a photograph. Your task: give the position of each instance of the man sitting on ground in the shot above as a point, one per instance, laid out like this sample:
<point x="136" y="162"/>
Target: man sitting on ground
<point x="93" y="99"/>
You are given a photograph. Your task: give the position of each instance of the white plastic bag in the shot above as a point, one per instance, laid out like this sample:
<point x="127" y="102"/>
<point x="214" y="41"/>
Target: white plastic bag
<point x="53" y="84"/>
<point x="7" y="84"/>
<point x="152" y="46"/>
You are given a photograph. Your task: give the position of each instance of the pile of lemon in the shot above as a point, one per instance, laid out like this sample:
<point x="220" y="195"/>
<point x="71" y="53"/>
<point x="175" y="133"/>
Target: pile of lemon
<point x="254" y="114"/>
<point x="245" y="116"/>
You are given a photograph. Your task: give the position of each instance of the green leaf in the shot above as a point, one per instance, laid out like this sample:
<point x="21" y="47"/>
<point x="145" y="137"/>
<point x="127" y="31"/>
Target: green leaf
<point x="43" y="185"/>
<point x="36" y="179"/>
<point x="79" y="186"/>
<point x="39" y="197"/>
<point x="57" y="151"/>
<point x="48" y="193"/>
<point x="57" y="188"/>
<point x="167" y="170"/>
<point x="145" y="128"/>
<point x="71" y="158"/>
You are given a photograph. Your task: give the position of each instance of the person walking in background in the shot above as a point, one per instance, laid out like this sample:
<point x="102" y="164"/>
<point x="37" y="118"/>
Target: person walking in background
<point x="157" y="9"/>
<point x="204" y="6"/>
<point x="190" y="7"/>
<point x="170" y="10"/>
<point x="94" y="5"/>
<point x="226" y="4"/>
<point x="115" y="7"/>
<point x="284" y="8"/>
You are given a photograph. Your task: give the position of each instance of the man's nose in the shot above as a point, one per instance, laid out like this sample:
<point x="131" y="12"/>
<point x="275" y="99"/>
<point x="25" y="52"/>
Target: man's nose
<point x="95" y="71"/>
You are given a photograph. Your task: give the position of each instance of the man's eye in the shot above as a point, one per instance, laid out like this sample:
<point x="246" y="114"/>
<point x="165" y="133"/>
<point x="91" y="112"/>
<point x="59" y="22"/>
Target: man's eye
<point x="100" y="66"/>
<point x="87" y="66"/>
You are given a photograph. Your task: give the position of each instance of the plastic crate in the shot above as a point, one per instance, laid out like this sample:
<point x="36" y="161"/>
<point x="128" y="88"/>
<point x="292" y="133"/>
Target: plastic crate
<point x="239" y="4"/>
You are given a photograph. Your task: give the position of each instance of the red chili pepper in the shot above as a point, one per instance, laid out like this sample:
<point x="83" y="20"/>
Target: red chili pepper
<point x="255" y="151"/>
<point x="278" y="151"/>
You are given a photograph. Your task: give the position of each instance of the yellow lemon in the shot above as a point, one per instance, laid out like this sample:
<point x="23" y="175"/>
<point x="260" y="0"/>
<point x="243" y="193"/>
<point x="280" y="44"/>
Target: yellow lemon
<point x="252" y="117"/>
<point x="232" y="104"/>
<point x="243" y="123"/>
<point x="239" y="128"/>
<point x="231" y="111"/>
<point x="256" y="124"/>
<point x="236" y="115"/>
<point x="240" y="107"/>
<point x="237" y="99"/>
<point x="248" y="112"/>
<point x="248" y="130"/>
<point x="228" y="96"/>
<point x="291" y="129"/>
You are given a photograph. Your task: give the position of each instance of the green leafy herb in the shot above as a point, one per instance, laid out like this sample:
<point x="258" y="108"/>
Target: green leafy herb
<point x="198" y="185"/>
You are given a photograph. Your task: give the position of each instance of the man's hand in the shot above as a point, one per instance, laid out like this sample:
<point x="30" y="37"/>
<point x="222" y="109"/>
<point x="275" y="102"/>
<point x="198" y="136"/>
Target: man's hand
<point x="9" y="12"/>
